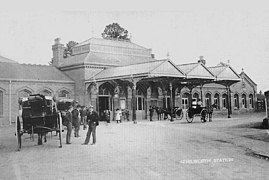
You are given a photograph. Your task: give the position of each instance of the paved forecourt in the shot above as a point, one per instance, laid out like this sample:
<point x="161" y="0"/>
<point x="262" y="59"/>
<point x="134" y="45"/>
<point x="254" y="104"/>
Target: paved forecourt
<point x="147" y="150"/>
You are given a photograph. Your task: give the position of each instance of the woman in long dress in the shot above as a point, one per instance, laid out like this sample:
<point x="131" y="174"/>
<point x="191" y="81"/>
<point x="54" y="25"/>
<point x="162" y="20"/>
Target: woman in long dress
<point x="118" y="115"/>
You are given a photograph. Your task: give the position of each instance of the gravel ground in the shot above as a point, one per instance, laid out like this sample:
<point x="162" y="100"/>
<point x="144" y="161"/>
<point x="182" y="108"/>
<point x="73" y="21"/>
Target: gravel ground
<point x="222" y="149"/>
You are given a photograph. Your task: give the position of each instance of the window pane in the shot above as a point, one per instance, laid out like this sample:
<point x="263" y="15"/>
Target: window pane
<point x="139" y="103"/>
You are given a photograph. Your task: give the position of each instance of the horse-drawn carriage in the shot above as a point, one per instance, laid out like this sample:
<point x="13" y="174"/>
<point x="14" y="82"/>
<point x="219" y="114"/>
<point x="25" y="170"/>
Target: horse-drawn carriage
<point x="176" y="112"/>
<point x="204" y="112"/>
<point x="196" y="111"/>
<point x="38" y="116"/>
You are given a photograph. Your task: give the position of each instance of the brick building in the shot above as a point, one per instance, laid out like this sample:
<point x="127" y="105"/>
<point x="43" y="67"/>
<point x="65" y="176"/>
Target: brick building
<point x="112" y="74"/>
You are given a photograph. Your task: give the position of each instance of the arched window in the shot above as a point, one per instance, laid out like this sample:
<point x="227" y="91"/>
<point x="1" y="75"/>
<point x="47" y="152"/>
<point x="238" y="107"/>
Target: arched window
<point x="244" y="101"/>
<point x="140" y="100"/>
<point x="224" y="101"/>
<point x="1" y="103"/>
<point x="64" y="94"/>
<point x="216" y="100"/>
<point x="208" y="99"/>
<point x="45" y="92"/>
<point x="154" y="92"/>
<point x="104" y="91"/>
<point x="251" y="105"/>
<point x="236" y="101"/>
<point x="195" y="97"/>
<point x="24" y="93"/>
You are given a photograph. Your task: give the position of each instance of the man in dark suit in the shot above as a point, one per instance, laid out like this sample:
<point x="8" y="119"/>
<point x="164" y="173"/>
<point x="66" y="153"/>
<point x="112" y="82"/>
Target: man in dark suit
<point x="69" y="124"/>
<point x="93" y="121"/>
<point x="151" y="110"/>
<point x="76" y="119"/>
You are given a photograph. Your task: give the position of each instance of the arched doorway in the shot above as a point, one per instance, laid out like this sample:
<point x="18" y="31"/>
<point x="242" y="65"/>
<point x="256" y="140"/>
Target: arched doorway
<point x="236" y="101"/>
<point x="185" y="100"/>
<point x="166" y="99"/>
<point x="140" y="105"/>
<point x="105" y="100"/>
<point x="251" y="105"/>
<point x="244" y="101"/>
<point x="208" y="99"/>
<point x="224" y="101"/>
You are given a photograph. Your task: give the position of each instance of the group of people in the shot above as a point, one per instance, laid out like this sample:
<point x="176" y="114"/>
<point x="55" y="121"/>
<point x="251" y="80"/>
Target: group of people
<point x="77" y="115"/>
<point x="160" y="112"/>
<point x="121" y="114"/>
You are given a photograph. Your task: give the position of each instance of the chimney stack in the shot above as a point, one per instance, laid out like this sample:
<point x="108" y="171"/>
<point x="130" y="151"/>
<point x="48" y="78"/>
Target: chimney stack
<point x="201" y="60"/>
<point x="58" y="52"/>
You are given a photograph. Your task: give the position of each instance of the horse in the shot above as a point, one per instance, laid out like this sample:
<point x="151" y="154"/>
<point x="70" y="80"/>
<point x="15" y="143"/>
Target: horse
<point x="159" y="111"/>
<point x="210" y="109"/>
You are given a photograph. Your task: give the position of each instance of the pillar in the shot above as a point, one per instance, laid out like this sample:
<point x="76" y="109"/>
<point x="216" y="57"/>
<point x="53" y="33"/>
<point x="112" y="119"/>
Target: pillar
<point x="134" y="103"/>
<point x="229" y="101"/>
<point x="171" y="100"/>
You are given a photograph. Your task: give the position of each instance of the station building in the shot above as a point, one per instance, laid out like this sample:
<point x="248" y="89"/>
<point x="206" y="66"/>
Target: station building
<point x="111" y="74"/>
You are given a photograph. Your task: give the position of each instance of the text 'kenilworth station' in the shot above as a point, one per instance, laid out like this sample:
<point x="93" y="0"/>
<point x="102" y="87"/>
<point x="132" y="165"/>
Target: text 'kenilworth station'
<point x="111" y="74"/>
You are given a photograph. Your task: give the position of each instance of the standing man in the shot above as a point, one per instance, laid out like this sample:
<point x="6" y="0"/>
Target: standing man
<point x="151" y="110"/>
<point x="159" y="113"/>
<point x="69" y="124"/>
<point x="107" y="115"/>
<point x="83" y="113"/>
<point x="93" y="121"/>
<point x="76" y="120"/>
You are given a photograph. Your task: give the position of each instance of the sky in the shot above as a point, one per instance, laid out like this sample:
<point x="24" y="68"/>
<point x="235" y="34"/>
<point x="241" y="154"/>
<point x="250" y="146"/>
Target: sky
<point x="222" y="31"/>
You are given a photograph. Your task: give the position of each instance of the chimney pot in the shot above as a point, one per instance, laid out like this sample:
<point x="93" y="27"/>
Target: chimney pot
<point x="201" y="60"/>
<point x="57" y="41"/>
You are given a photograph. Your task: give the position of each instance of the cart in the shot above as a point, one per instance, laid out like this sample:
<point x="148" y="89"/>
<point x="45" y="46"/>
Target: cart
<point x="196" y="111"/>
<point x="38" y="115"/>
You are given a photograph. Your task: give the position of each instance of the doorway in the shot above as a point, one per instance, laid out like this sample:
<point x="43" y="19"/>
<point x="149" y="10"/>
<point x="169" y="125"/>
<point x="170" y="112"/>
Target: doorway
<point x="103" y="105"/>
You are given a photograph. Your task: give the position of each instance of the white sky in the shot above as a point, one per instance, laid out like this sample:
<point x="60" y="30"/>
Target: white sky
<point x="218" y="30"/>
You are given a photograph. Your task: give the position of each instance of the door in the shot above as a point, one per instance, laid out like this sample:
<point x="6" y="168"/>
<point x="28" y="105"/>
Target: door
<point x="103" y="105"/>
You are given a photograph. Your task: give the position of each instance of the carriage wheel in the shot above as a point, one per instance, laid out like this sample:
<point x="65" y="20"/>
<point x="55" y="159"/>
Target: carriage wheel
<point x="18" y="125"/>
<point x="59" y="118"/>
<point x="180" y="116"/>
<point x="189" y="117"/>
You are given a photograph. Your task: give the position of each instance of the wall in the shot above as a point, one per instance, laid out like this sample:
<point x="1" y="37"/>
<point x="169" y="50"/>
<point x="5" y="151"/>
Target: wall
<point x="33" y="87"/>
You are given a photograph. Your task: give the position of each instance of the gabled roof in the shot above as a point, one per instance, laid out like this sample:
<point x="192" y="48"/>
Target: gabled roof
<point x="243" y="74"/>
<point x="196" y="70"/>
<point x="4" y="59"/>
<point x="224" y="72"/>
<point x="158" y="68"/>
<point x="26" y="72"/>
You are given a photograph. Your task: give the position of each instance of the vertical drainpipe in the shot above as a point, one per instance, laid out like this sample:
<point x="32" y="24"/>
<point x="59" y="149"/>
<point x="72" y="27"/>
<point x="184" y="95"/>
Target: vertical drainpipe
<point x="9" y="102"/>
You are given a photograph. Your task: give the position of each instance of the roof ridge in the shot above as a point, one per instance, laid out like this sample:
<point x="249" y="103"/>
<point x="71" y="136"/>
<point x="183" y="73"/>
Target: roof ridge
<point x="29" y="64"/>
<point x="118" y="40"/>
<point x="188" y="63"/>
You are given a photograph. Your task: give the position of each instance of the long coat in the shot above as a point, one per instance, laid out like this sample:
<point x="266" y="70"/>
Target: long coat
<point x="76" y="117"/>
<point x="93" y="118"/>
<point x="118" y="114"/>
